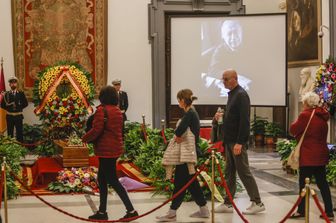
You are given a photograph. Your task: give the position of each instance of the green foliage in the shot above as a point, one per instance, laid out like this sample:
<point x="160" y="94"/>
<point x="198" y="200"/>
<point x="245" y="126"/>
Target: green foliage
<point x="32" y="133"/>
<point x="331" y="170"/>
<point x="273" y="129"/>
<point x="13" y="152"/>
<point x="148" y="157"/>
<point x="285" y="147"/>
<point x="258" y="125"/>
<point x="46" y="149"/>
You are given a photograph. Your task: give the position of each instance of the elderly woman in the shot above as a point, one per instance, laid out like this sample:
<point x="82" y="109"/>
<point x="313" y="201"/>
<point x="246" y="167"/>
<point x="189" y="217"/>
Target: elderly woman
<point x="314" y="152"/>
<point x="106" y="133"/>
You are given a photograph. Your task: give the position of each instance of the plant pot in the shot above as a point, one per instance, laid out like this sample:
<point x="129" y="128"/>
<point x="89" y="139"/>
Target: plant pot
<point x="259" y="140"/>
<point x="269" y="140"/>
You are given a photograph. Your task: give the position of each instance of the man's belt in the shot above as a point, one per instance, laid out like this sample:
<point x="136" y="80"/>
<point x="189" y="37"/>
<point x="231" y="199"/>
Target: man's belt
<point x="14" y="113"/>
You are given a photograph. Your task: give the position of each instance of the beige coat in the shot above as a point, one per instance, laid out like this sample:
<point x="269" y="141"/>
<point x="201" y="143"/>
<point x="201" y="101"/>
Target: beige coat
<point x="177" y="154"/>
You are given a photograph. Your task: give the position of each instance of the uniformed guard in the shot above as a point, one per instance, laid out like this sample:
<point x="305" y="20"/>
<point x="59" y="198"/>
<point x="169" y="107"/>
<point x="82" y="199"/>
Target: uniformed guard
<point x="14" y="101"/>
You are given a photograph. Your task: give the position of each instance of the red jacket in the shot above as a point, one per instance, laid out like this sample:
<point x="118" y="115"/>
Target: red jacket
<point x="109" y="139"/>
<point x="314" y="150"/>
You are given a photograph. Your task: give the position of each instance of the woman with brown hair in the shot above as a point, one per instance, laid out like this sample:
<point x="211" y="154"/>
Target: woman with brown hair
<point x="106" y="133"/>
<point x="190" y="120"/>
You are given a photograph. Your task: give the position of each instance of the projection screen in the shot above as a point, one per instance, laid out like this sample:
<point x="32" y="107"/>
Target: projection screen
<point x="254" y="45"/>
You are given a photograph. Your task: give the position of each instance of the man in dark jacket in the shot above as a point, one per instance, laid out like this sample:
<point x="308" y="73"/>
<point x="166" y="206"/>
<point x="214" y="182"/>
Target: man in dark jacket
<point x="123" y="100"/>
<point x="236" y="128"/>
<point x="14" y="101"/>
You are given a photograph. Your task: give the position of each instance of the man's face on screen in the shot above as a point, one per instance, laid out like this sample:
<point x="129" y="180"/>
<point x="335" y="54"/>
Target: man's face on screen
<point x="232" y="34"/>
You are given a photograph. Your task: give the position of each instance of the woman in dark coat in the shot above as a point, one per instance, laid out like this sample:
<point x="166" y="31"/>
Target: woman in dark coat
<point x="314" y="153"/>
<point x="106" y="132"/>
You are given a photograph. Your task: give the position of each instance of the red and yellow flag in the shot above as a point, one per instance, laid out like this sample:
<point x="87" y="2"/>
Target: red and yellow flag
<point x="2" y="111"/>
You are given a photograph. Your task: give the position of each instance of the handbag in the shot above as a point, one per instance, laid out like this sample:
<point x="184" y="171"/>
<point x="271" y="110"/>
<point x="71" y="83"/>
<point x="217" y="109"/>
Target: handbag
<point x="294" y="157"/>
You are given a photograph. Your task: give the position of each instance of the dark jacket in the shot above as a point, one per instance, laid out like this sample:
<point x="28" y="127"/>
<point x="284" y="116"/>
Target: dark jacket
<point x="236" y="121"/>
<point x="190" y="119"/>
<point x="123" y="103"/>
<point x="108" y="139"/>
<point x="314" y="150"/>
<point x="13" y="103"/>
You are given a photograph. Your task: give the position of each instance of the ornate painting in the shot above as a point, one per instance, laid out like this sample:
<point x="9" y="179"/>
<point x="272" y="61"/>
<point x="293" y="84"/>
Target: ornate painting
<point x="304" y="20"/>
<point x="46" y="32"/>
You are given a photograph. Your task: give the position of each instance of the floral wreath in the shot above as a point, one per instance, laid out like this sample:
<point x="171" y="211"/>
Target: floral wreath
<point x="63" y="95"/>
<point x="325" y="84"/>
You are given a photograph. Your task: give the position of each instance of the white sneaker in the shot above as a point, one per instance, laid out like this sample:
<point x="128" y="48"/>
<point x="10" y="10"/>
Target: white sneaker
<point x="169" y="217"/>
<point x="254" y="208"/>
<point x="202" y="213"/>
<point x="224" y="208"/>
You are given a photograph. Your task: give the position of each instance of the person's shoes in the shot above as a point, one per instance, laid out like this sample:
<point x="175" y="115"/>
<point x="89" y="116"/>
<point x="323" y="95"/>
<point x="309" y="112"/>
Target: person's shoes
<point x="297" y="215"/>
<point x="255" y="208"/>
<point x="170" y="216"/>
<point x="202" y="213"/>
<point x="224" y="208"/>
<point x="130" y="215"/>
<point x="99" y="216"/>
<point x="329" y="215"/>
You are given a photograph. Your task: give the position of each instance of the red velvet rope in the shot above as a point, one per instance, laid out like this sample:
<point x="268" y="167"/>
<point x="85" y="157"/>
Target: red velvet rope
<point x="320" y="208"/>
<point x="163" y="136"/>
<point x="229" y="194"/>
<point x="292" y="209"/>
<point x="1" y="185"/>
<point x="121" y="220"/>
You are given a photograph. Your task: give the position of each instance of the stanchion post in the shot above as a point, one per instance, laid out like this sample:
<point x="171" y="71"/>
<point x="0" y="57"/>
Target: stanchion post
<point x="143" y="119"/>
<point x="307" y="181"/>
<point x="4" y="169"/>
<point x="213" y="185"/>
<point x="163" y="123"/>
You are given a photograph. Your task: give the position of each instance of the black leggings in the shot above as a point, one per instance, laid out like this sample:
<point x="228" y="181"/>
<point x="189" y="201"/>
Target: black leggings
<point x="107" y="174"/>
<point x="319" y="172"/>
<point x="181" y="178"/>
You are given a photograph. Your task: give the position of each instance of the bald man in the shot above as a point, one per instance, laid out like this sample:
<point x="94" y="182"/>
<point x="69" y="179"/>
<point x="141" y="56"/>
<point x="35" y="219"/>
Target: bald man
<point x="236" y="128"/>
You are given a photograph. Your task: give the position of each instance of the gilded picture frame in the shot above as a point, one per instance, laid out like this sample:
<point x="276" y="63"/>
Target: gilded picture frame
<point x="47" y="32"/>
<point x="303" y="23"/>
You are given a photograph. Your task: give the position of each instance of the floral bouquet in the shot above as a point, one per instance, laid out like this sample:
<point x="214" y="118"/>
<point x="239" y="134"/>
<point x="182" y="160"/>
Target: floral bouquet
<point x="63" y="95"/>
<point x="75" y="180"/>
<point x="325" y="84"/>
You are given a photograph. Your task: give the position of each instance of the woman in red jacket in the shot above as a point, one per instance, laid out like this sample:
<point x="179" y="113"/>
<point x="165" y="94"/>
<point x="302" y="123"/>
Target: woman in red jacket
<point x="314" y="153"/>
<point x="106" y="132"/>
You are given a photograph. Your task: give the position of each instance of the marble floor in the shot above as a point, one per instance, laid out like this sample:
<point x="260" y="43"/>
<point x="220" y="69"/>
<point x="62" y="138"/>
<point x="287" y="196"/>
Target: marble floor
<point x="278" y="191"/>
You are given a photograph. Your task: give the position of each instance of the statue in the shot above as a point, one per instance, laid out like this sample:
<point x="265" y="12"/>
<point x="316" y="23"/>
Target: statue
<point x="307" y="82"/>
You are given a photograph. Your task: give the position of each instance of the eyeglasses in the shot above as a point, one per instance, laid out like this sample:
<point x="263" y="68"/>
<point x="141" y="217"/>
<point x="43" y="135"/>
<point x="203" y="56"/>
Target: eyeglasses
<point x="226" y="78"/>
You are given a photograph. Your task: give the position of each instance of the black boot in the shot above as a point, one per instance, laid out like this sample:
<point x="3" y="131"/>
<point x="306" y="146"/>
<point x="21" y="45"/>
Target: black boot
<point x="130" y="215"/>
<point x="99" y="216"/>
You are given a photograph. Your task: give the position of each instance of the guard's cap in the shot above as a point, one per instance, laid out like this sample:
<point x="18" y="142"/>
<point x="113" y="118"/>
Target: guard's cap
<point x="12" y="79"/>
<point x="116" y="82"/>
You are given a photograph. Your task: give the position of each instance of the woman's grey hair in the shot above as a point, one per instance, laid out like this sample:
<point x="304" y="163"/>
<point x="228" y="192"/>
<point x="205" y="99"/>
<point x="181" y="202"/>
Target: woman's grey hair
<point x="311" y="99"/>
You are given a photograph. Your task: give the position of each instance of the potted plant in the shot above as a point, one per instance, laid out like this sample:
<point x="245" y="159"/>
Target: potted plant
<point x="272" y="131"/>
<point x="258" y="130"/>
<point x="284" y="148"/>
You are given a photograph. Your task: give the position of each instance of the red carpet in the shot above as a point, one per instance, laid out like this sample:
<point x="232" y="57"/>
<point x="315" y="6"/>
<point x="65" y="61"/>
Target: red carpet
<point x="45" y="170"/>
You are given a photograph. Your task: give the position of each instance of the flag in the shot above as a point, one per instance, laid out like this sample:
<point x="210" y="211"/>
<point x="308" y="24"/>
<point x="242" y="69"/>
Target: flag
<point x="2" y="111"/>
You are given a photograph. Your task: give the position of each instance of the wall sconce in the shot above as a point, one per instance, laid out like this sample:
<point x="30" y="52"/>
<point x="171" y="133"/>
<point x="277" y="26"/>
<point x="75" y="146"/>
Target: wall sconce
<point x="320" y="34"/>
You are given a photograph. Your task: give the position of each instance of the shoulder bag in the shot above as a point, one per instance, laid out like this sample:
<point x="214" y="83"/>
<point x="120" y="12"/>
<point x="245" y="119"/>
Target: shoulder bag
<point x="294" y="157"/>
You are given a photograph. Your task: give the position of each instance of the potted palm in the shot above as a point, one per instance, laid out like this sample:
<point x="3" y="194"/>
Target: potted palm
<point x="258" y="125"/>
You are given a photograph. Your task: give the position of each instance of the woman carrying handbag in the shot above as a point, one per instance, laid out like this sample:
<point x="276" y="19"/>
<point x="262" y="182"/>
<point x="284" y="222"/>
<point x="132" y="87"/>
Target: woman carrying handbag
<point x="314" y="154"/>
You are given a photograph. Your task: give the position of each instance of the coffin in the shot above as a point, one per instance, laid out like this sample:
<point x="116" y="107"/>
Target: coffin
<point x="71" y="156"/>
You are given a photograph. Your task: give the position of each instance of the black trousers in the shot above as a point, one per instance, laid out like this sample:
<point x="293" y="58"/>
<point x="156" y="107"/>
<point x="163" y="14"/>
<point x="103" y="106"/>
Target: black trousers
<point x="181" y="178"/>
<point x="17" y="122"/>
<point x="319" y="172"/>
<point x="107" y="174"/>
